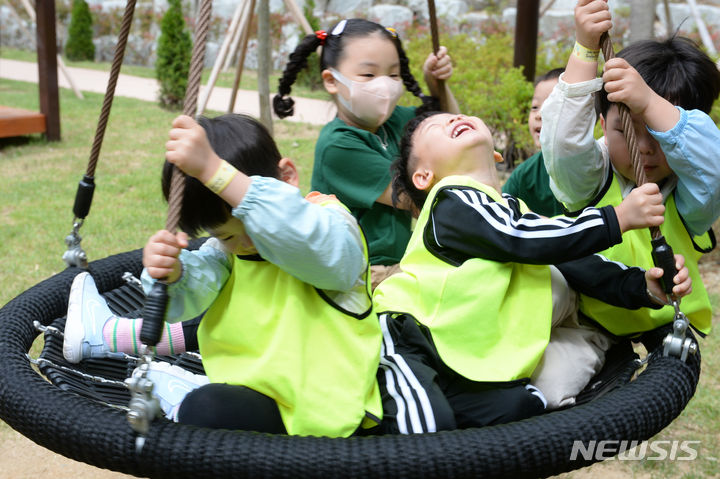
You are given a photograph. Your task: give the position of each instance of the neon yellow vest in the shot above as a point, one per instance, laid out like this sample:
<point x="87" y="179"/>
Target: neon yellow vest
<point x="490" y="321"/>
<point x="635" y="250"/>
<point x="277" y="335"/>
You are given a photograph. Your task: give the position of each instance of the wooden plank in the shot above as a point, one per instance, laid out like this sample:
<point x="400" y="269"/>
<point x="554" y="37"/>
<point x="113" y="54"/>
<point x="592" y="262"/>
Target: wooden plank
<point x="18" y="122"/>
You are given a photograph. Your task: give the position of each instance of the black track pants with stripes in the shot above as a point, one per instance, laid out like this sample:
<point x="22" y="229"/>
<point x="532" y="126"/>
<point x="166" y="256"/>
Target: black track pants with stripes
<point x="421" y="394"/>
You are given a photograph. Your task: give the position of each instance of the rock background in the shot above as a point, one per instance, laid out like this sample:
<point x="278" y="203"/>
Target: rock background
<point x="461" y="16"/>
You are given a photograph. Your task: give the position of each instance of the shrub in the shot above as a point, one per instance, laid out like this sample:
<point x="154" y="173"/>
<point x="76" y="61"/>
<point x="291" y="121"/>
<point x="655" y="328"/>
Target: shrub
<point x="485" y="84"/>
<point x="173" y="57"/>
<point x="79" y="44"/>
<point x="309" y="76"/>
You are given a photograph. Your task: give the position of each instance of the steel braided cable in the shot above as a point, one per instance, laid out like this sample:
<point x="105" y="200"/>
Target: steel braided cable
<point x="177" y="182"/>
<point x="110" y="90"/>
<point x="628" y="129"/>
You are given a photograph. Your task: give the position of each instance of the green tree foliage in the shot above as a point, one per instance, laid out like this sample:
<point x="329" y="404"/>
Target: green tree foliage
<point x="484" y="83"/>
<point x="79" y="44"/>
<point x="173" y="57"/>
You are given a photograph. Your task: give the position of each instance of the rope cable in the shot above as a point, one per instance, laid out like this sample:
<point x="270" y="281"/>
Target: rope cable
<point x="177" y="182"/>
<point x="628" y="129"/>
<point x="110" y="90"/>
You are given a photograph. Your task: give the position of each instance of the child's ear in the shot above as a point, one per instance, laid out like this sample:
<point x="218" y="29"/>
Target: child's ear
<point x="288" y="172"/>
<point x="423" y="178"/>
<point x="498" y="157"/>
<point x="329" y="81"/>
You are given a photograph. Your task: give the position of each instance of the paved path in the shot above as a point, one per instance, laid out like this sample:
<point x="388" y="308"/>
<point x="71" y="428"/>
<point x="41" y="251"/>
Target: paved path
<point x="317" y="112"/>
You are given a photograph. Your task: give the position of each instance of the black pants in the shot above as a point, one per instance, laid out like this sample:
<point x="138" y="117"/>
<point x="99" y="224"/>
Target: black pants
<point x="421" y="394"/>
<point x="224" y="406"/>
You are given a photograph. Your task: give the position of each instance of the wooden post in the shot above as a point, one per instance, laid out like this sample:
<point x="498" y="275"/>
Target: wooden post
<point x="526" y="31"/>
<point x="264" y="60"/>
<point x="241" y="59"/>
<point x="205" y="94"/>
<point x="299" y="17"/>
<point x="668" y="19"/>
<point x="702" y="29"/>
<point x="245" y="20"/>
<point x="31" y="13"/>
<point x="47" y="68"/>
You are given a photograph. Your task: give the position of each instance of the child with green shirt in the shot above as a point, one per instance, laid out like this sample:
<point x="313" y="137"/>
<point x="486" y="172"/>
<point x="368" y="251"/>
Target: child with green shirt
<point x="530" y="181"/>
<point x="365" y="69"/>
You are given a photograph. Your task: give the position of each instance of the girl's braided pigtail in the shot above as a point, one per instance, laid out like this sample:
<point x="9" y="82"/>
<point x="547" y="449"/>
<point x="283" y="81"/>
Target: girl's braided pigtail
<point x="282" y="103"/>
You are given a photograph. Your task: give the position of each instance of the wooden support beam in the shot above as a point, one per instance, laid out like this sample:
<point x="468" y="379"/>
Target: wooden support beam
<point x="47" y="68"/>
<point x="526" y="32"/>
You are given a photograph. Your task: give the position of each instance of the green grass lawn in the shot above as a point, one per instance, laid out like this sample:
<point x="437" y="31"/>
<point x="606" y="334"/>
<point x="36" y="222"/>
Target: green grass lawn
<point x="37" y="193"/>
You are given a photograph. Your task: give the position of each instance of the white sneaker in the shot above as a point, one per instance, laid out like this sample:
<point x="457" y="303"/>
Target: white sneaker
<point x="86" y="316"/>
<point x="171" y="384"/>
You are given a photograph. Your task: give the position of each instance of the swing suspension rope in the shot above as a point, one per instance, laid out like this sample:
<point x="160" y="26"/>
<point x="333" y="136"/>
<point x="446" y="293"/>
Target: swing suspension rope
<point x="677" y="342"/>
<point x="75" y="255"/>
<point x="143" y="407"/>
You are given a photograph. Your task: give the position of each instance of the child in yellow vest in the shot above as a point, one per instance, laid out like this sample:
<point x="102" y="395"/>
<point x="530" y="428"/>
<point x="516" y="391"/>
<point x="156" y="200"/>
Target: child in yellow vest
<point x="669" y="88"/>
<point x="466" y="321"/>
<point x="289" y="341"/>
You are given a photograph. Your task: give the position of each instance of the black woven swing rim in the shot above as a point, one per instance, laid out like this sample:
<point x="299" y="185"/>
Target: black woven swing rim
<point x="84" y="430"/>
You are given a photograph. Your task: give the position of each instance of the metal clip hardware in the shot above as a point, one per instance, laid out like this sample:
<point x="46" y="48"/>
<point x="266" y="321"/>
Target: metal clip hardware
<point x="143" y="407"/>
<point x="677" y="343"/>
<point x="75" y="255"/>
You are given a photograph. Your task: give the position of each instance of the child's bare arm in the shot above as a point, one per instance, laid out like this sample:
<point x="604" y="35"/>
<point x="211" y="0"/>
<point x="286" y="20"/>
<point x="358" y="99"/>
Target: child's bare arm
<point x="625" y="85"/>
<point x="642" y="208"/>
<point x="592" y="19"/>
<point x="190" y="150"/>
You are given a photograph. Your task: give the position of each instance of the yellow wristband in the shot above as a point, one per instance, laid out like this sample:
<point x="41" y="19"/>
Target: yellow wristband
<point x="585" y="54"/>
<point x="221" y="178"/>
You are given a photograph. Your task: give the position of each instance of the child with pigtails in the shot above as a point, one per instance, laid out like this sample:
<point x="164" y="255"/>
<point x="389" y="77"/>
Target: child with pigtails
<point x="365" y="70"/>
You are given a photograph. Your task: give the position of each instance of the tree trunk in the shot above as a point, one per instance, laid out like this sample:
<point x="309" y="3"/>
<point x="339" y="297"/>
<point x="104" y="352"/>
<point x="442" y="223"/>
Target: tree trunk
<point x="642" y="20"/>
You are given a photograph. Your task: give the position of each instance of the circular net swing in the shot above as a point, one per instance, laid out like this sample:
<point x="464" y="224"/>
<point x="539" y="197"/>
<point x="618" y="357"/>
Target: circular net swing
<point x="80" y="410"/>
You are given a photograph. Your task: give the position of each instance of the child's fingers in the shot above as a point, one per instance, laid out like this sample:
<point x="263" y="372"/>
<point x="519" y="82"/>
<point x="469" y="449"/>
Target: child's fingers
<point x="679" y="262"/>
<point x="655" y="272"/>
<point x="183" y="121"/>
<point x="182" y="239"/>
<point x="158" y="273"/>
<point x="650" y="189"/>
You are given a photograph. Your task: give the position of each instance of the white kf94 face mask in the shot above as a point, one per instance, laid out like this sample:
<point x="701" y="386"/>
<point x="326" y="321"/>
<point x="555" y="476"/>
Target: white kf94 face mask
<point x="371" y="102"/>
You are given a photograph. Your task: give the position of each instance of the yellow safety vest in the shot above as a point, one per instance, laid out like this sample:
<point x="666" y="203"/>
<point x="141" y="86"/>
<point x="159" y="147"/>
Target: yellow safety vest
<point x="303" y="347"/>
<point x="636" y="250"/>
<point x="490" y="321"/>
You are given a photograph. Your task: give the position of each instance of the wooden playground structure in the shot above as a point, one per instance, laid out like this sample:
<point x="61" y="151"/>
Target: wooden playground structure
<point x="16" y="121"/>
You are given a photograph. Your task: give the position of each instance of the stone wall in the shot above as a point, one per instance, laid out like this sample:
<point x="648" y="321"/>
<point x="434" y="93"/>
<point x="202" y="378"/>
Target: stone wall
<point x="466" y="16"/>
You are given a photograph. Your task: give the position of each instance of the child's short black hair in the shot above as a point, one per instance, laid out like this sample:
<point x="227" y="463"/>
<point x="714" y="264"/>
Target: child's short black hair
<point x="676" y="69"/>
<point x="550" y="75"/>
<point x="401" y="179"/>
<point x="243" y="142"/>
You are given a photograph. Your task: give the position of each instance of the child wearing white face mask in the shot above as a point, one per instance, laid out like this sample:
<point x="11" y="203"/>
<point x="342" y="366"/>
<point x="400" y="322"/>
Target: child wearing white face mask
<point x="365" y="69"/>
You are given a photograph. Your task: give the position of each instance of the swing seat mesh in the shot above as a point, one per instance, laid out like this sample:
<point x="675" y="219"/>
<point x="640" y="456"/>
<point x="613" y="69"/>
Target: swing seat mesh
<point x="83" y="418"/>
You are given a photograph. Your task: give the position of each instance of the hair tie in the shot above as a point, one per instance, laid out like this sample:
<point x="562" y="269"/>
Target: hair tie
<point x="321" y="35"/>
<point x="392" y="31"/>
<point x="339" y="27"/>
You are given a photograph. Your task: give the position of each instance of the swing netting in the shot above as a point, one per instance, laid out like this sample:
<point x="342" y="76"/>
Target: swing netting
<point x="79" y="411"/>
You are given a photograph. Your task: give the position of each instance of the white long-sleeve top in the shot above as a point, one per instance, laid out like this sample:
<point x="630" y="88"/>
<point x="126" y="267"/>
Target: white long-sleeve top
<point x="578" y="164"/>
